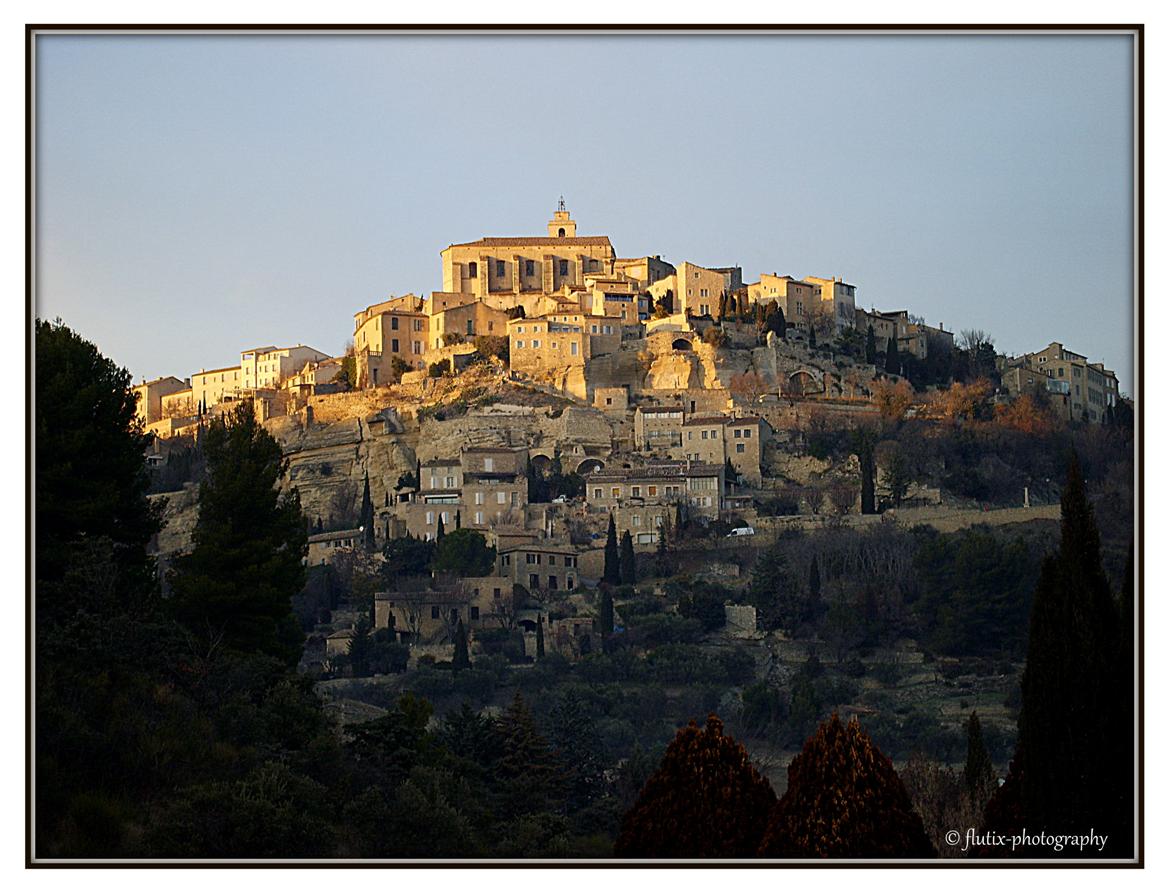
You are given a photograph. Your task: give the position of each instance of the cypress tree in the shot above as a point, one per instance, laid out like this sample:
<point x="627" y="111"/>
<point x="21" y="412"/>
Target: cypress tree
<point x="979" y="772"/>
<point x="606" y="613"/>
<point x="863" y="445"/>
<point x="628" y="560"/>
<point x="539" y="637"/>
<point x="612" y="572"/>
<point x="367" y="530"/>
<point x="679" y="522"/>
<point x="814" y="580"/>
<point x="705" y="800"/>
<point x="360" y="647"/>
<point x="870" y="346"/>
<point x="722" y="305"/>
<point x="462" y="658"/>
<point x="892" y="360"/>
<point x="1073" y="764"/>
<point x="812" y="336"/>
<point x="458" y="519"/>
<point x="844" y="800"/>
<point x="440" y="531"/>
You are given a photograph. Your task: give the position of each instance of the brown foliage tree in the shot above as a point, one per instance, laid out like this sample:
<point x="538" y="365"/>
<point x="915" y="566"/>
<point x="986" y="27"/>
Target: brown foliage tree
<point x="1026" y="415"/>
<point x="706" y="800"/>
<point x="893" y="399"/>
<point x="748" y="386"/>
<point x="844" y="800"/>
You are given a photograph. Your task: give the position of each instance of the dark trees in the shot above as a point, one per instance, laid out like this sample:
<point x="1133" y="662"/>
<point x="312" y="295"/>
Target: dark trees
<point x="465" y="553"/>
<point x="236" y="586"/>
<point x="462" y="659"/>
<point x="844" y="800"/>
<point x="612" y="573"/>
<point x="1073" y="765"/>
<point x="628" y="560"/>
<point x="705" y="800"/>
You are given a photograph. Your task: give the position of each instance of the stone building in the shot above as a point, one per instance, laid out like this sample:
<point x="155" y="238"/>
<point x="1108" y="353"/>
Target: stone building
<point x="211" y="387"/>
<point x="269" y="366"/>
<point x="324" y="545"/>
<point x="540" y="344"/>
<point x="700" y="486"/>
<point x="716" y="439"/>
<point x="526" y="265"/>
<point x="644" y="271"/>
<point x="540" y="566"/>
<point x="431" y="611"/>
<point x="798" y="299"/>
<point x="1081" y="390"/>
<point x="150" y="395"/>
<point x="657" y="428"/>
<point x="696" y="290"/>
<point x="837" y="301"/>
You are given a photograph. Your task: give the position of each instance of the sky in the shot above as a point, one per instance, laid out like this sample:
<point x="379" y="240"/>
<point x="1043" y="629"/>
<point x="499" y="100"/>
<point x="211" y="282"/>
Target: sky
<point x="200" y="195"/>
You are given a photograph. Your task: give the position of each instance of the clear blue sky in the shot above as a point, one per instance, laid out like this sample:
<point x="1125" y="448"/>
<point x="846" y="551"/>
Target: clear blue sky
<point x="201" y="195"/>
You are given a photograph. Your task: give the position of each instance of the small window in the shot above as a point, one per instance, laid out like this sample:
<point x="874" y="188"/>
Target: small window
<point x="560" y="232"/>
<point x="434" y="612"/>
<point x="534" y="581"/>
<point x="474" y="613"/>
<point x="563" y="264"/>
<point x="529" y="268"/>
<point x="472" y="270"/>
<point x="500" y="268"/>
<point x="739" y="448"/>
<point x="552" y="584"/>
<point x="394" y="345"/>
<point x="393" y="323"/>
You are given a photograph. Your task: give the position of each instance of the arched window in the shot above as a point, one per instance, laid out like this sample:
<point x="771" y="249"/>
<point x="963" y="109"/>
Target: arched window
<point x="560" y="232"/>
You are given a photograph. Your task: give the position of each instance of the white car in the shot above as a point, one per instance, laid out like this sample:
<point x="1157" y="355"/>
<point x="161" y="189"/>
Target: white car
<point x="743" y="532"/>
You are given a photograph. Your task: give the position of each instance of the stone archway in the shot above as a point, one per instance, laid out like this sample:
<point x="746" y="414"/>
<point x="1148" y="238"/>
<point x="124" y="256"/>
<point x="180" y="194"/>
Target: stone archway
<point x="682" y="345"/>
<point x="589" y="465"/>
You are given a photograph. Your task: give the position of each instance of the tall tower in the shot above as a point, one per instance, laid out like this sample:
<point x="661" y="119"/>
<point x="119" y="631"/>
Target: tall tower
<point x="562" y="225"/>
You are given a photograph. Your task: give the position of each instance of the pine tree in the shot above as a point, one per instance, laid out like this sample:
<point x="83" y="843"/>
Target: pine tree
<point x="539" y="637"/>
<point x="892" y="359"/>
<point x="705" y="800"/>
<point x="1073" y="762"/>
<point x="237" y="583"/>
<point x="628" y="560"/>
<point x="870" y="346"/>
<point x="367" y="529"/>
<point x="979" y="772"/>
<point x="440" y="530"/>
<point x="462" y="658"/>
<point x="844" y="800"/>
<point x="612" y="572"/>
<point x="530" y="777"/>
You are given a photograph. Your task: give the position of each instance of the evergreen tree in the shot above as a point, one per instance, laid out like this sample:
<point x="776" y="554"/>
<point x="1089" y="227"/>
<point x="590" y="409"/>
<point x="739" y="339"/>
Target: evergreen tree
<point x="361" y="647"/>
<point x="1073" y="763"/>
<point x="531" y="780"/>
<point x="90" y="476"/>
<point x="465" y="553"/>
<point x="779" y="600"/>
<point x="679" y="522"/>
<point x="238" y="581"/>
<point x="462" y="658"/>
<point x="367" y="527"/>
<point x="864" y="446"/>
<point x="844" y="800"/>
<point x="612" y="572"/>
<point x="440" y="530"/>
<point x="979" y="772"/>
<point x="661" y="554"/>
<point x="628" y="560"/>
<point x="870" y="346"/>
<point x="458" y="519"/>
<point x="892" y="359"/>
<point x="812" y="336"/>
<point x="606" y="613"/>
<point x="814" y="581"/>
<point x="539" y="637"/>
<point x="705" y="800"/>
<point x="722" y="305"/>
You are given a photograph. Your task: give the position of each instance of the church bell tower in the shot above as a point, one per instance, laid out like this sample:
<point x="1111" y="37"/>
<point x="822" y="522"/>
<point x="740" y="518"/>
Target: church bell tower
<point x="562" y="226"/>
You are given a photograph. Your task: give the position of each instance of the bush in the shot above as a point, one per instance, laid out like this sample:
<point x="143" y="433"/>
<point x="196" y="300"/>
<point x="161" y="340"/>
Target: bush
<point x="439" y="368"/>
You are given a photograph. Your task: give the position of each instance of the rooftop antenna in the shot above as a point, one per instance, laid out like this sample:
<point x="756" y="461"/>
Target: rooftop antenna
<point x="560" y="204"/>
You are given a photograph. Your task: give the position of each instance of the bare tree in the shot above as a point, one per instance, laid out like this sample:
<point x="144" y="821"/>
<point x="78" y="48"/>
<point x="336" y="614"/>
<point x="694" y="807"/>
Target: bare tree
<point x="971" y="339"/>
<point x="505" y="608"/>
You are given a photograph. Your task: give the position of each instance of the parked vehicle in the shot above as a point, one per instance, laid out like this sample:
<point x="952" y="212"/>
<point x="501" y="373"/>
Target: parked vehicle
<point x="745" y="531"/>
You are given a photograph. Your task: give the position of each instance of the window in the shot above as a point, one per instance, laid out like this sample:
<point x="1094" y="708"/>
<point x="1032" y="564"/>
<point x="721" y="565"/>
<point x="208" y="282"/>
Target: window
<point x="596" y="493"/>
<point x="489" y="464"/>
<point x="746" y="433"/>
<point x="470" y="327"/>
<point x="474" y="613"/>
<point x="552" y="560"/>
<point x="529" y="268"/>
<point x="636" y="520"/>
<point x="394" y="345"/>
<point x="535" y="343"/>
<point x="574" y="346"/>
<point x="417" y="326"/>
<point x="552" y="584"/>
<point x="434" y="612"/>
<point x="637" y="490"/>
<point x="569" y="583"/>
<point x="653" y="490"/>
<point x="500" y="268"/>
<point x="704" y="435"/>
<point x="417" y="347"/>
<point x="519" y="343"/>
<point x="563" y="264"/>
<point x="446" y="517"/>
<point x="479" y="518"/>
<point x="430" y="517"/>
<point x="472" y="270"/>
<point x="534" y="581"/>
<point x="739" y="448"/>
<point x="616" y="492"/>
<point x="450" y="481"/>
<point x="393" y="323"/>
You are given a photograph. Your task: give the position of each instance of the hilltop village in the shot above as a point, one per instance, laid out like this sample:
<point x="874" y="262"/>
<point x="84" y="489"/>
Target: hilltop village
<point x="554" y="395"/>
